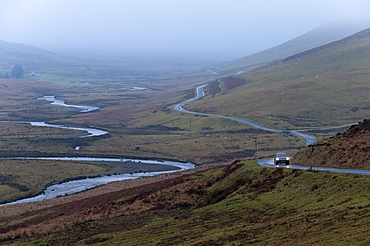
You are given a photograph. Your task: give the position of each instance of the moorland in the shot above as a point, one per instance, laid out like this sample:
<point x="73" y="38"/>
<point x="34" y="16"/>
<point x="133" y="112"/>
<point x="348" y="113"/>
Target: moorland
<point x="323" y="87"/>
<point x="240" y="204"/>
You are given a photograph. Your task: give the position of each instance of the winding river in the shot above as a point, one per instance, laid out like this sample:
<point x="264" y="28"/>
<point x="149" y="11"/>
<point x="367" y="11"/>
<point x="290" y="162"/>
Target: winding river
<point x="79" y="185"/>
<point x="89" y="132"/>
<point x="58" y="102"/>
<point x="75" y="186"/>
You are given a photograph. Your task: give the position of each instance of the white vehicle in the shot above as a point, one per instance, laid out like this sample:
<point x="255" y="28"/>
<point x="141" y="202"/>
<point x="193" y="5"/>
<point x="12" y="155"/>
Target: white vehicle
<point x="281" y="158"/>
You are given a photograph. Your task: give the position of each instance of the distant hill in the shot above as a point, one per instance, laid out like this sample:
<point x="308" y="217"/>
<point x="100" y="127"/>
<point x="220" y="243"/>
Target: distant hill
<point x="350" y="149"/>
<point x="327" y="85"/>
<point x="314" y="38"/>
<point x="64" y="63"/>
<point x="22" y="53"/>
<point x="21" y="50"/>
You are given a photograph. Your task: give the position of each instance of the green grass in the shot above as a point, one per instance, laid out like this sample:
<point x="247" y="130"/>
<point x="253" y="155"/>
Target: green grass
<point x="12" y="130"/>
<point x="25" y="178"/>
<point x="325" y="88"/>
<point x="314" y="38"/>
<point x="299" y="207"/>
<point x="198" y="139"/>
<point x="236" y="205"/>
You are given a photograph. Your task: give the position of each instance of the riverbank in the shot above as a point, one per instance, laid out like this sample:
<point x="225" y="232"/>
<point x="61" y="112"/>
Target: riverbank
<point x="20" y="208"/>
<point x="126" y="169"/>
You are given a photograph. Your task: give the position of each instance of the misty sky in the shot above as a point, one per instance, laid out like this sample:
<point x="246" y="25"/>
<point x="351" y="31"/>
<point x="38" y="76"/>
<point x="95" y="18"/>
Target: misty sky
<point x="224" y="28"/>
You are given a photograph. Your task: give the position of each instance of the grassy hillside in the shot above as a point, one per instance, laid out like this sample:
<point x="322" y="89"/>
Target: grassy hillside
<point x="12" y="51"/>
<point x="325" y="86"/>
<point x="346" y="150"/>
<point x="240" y="204"/>
<point x="314" y="38"/>
<point x="31" y="58"/>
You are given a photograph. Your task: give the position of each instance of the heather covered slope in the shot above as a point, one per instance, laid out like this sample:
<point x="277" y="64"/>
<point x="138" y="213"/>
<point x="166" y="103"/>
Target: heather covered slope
<point x="240" y="204"/>
<point x="324" y="86"/>
<point x="350" y="149"/>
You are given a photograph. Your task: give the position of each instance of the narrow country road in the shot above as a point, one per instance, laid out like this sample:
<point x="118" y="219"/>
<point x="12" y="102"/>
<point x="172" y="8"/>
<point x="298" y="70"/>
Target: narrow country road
<point x="270" y="162"/>
<point x="200" y="93"/>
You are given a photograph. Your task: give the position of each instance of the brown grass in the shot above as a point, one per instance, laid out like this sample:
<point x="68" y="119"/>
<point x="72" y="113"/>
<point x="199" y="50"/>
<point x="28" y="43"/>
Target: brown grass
<point x="350" y="149"/>
<point x="63" y="212"/>
<point x="235" y="204"/>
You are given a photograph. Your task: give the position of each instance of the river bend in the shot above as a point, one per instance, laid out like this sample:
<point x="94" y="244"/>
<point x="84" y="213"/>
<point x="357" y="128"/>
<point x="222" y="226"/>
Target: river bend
<point x="75" y="186"/>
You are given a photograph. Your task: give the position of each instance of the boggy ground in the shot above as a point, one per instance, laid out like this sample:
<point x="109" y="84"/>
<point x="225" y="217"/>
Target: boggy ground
<point x="237" y="204"/>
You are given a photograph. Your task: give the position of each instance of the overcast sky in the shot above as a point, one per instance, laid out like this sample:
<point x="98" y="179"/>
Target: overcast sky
<point x="225" y="28"/>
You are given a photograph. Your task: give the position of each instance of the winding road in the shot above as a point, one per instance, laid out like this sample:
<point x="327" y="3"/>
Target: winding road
<point x="270" y="162"/>
<point x="200" y="93"/>
<point x="80" y="185"/>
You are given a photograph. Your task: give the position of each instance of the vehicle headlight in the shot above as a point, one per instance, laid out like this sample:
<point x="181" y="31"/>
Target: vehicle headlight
<point x="277" y="158"/>
<point x="287" y="158"/>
